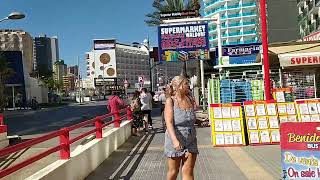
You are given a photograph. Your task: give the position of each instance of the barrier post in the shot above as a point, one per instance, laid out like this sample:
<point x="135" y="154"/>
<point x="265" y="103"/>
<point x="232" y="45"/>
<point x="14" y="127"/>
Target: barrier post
<point x="98" y="124"/>
<point x="117" y="119"/>
<point x="65" y="144"/>
<point x="129" y="114"/>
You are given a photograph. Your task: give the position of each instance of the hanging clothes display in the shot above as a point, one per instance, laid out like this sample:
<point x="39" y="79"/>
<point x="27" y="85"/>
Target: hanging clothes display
<point x="257" y="89"/>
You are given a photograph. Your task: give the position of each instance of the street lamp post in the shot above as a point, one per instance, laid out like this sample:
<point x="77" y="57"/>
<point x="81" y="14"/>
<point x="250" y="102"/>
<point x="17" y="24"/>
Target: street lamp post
<point x="14" y="16"/>
<point x="146" y="44"/>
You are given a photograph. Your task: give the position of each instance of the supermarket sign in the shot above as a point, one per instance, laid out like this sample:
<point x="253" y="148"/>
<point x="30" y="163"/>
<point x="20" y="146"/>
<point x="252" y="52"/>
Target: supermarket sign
<point x="300" y="150"/>
<point x="183" y="42"/>
<point x="312" y="37"/>
<point x="299" y="59"/>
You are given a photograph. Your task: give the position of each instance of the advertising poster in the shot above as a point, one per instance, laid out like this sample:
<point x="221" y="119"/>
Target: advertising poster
<point x="227" y="124"/>
<point x="249" y="110"/>
<point x="104" y="44"/>
<point x="263" y="127"/>
<point x="300" y="150"/>
<point x="271" y="109"/>
<point x="183" y="42"/>
<point x="239" y="54"/>
<point x="308" y="110"/>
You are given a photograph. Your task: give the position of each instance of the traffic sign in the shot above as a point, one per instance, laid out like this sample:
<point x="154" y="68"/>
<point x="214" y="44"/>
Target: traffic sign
<point x="141" y="79"/>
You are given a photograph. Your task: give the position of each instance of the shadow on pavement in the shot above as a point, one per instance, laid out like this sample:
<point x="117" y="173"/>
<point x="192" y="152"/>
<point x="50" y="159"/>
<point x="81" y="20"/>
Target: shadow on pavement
<point x="5" y="162"/>
<point x="122" y="163"/>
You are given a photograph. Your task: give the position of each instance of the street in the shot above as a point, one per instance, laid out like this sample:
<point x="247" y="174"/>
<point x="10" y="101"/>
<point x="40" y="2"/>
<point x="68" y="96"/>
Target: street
<point x="43" y="121"/>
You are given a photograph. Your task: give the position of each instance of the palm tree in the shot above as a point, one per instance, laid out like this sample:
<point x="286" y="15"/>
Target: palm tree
<point x="162" y="6"/>
<point x="5" y="73"/>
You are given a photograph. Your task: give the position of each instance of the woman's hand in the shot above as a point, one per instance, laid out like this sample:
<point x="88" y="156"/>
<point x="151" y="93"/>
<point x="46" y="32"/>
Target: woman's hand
<point x="177" y="146"/>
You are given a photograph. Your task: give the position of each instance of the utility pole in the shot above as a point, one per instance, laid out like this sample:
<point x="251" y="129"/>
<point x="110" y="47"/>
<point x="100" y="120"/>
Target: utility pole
<point x="104" y="85"/>
<point x="79" y="88"/>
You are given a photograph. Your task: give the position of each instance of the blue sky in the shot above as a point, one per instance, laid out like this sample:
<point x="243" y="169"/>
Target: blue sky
<point x="77" y="22"/>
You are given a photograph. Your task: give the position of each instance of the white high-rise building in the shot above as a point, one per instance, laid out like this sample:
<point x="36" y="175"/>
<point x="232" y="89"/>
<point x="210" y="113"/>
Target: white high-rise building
<point x="238" y="21"/>
<point x="54" y="50"/>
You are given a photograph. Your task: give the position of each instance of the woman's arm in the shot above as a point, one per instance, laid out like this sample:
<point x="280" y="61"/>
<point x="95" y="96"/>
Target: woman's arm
<point x="168" y="116"/>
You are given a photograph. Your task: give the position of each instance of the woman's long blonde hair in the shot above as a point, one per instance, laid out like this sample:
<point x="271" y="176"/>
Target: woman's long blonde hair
<point x="176" y="84"/>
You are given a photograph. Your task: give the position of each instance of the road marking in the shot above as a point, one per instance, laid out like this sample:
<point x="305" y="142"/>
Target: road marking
<point x="248" y="166"/>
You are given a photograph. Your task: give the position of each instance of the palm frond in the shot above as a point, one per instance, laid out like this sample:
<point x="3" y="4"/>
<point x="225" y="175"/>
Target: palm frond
<point x="153" y="19"/>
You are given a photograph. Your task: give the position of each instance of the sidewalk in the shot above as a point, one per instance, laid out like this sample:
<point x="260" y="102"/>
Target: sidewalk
<point x="142" y="158"/>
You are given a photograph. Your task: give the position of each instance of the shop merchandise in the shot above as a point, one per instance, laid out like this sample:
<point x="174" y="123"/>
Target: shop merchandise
<point x="227" y="124"/>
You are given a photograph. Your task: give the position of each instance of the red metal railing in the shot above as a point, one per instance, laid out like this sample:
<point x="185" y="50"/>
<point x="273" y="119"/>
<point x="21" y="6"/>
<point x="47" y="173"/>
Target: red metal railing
<point x="65" y="141"/>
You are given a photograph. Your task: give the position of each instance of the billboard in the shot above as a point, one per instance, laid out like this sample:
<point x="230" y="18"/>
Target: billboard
<point x="105" y="64"/>
<point x="105" y="81"/>
<point x="239" y="54"/>
<point x="178" y="14"/>
<point x="183" y="42"/>
<point x="14" y="59"/>
<point x="104" y="44"/>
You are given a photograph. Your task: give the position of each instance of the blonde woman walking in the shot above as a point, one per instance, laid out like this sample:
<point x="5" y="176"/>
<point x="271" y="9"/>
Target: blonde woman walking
<point x="180" y="137"/>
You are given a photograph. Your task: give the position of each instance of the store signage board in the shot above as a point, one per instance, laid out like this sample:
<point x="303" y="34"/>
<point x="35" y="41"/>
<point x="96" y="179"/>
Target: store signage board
<point x="262" y="122"/>
<point x="239" y="54"/>
<point x="105" y="82"/>
<point x="227" y="124"/>
<point x="299" y="59"/>
<point x="300" y="150"/>
<point x="312" y="37"/>
<point x="178" y="14"/>
<point x="183" y="42"/>
<point x="104" y="44"/>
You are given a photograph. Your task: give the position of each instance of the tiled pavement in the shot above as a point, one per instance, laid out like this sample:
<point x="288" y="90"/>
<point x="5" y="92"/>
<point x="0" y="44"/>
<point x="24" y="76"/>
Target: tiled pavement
<point x="142" y="158"/>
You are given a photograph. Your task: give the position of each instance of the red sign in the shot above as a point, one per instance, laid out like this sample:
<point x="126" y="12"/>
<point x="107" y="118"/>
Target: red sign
<point x="299" y="59"/>
<point x="300" y="136"/>
<point x="300" y="155"/>
<point x="312" y="37"/>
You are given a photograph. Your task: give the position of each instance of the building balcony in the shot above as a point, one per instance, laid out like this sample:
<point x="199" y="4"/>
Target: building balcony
<point x="235" y="24"/>
<point x="235" y="43"/>
<point x="249" y="4"/>
<point x="222" y="8"/>
<point x="209" y="4"/>
<point x="234" y="6"/>
<point x="239" y="15"/>
<point x="232" y="25"/>
<point x="252" y="32"/>
<point x="249" y="32"/>
<point x="249" y="41"/>
<point x="234" y="15"/>
<point x="249" y="14"/>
